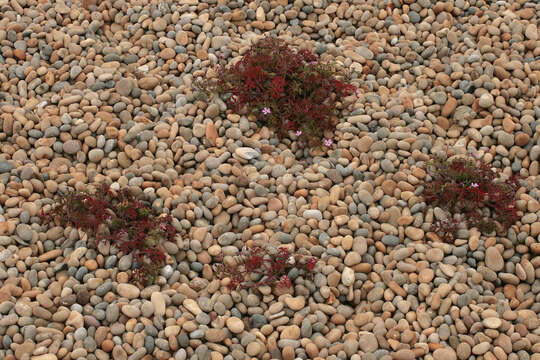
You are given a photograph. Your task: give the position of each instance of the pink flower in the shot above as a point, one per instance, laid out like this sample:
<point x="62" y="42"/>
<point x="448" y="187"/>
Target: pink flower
<point x="266" y="111"/>
<point x="474" y="185"/>
<point x="313" y="63"/>
<point x="328" y="142"/>
<point x="298" y="133"/>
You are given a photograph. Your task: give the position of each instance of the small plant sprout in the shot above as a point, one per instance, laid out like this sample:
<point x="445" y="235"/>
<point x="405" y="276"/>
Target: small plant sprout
<point x="285" y="281"/>
<point x="120" y="219"/>
<point x="471" y="189"/>
<point x="258" y="266"/>
<point x="311" y="263"/>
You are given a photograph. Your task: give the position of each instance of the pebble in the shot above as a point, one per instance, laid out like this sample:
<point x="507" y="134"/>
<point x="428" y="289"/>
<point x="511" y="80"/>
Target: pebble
<point x="5" y="166"/>
<point x="434" y="255"/>
<point x="124" y="87"/>
<point x="247" y="153"/>
<point x="45" y="357"/>
<point x="403" y="354"/>
<point x="158" y="302"/>
<point x="531" y="32"/>
<point x="481" y="348"/>
<point x="148" y="83"/>
<point x="313" y="214"/>
<point x="296" y="303"/>
<point x="347" y="276"/>
<point x="95" y="155"/>
<point x="492" y="323"/>
<point x="192" y="306"/>
<point x="486" y="100"/>
<point x="446" y="353"/>
<point x="368" y="342"/>
<point x="235" y="325"/>
<point x="71" y="147"/>
<point x="215" y="335"/>
<point x="494" y="260"/>
<point x="390" y="240"/>
<point x="25" y="232"/>
<point x="128" y="291"/>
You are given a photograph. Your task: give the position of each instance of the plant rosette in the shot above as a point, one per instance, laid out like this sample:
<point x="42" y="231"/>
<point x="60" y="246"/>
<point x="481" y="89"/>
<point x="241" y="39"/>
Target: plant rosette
<point x="471" y="189"/>
<point x="288" y="90"/>
<point x="121" y="220"/>
<point x="257" y="266"/>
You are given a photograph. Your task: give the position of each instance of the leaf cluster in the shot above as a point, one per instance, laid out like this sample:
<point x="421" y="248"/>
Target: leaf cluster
<point x="122" y="220"/>
<point x="286" y="89"/>
<point x="468" y="187"/>
<point x="258" y="266"/>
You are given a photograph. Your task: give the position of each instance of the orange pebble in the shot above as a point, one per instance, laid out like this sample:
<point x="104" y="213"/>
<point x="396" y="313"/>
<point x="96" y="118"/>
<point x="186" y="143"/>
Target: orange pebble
<point x="91" y="264"/>
<point x="107" y="345"/>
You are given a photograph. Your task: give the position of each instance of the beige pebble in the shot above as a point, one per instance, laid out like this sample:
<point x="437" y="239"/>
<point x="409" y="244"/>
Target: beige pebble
<point x="75" y="319"/>
<point x="158" y="301"/>
<point x="291" y="332"/>
<point x="128" y="291"/>
<point x="215" y="335"/>
<point x="295" y="303"/>
<point x="446" y="353"/>
<point x="492" y="322"/>
<point x="493" y="259"/>
<point x="235" y="325"/>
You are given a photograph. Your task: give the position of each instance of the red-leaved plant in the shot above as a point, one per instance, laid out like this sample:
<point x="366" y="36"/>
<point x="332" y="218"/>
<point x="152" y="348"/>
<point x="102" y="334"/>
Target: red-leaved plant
<point x="268" y="268"/>
<point x="120" y="219"/>
<point x="466" y="187"/>
<point x="292" y="91"/>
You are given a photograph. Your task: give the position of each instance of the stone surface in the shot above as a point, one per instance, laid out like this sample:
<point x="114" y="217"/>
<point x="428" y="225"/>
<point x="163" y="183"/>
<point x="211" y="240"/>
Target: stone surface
<point x="128" y="291"/>
<point x="92" y="92"/>
<point x="235" y="325"/>
<point x="494" y="260"/>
